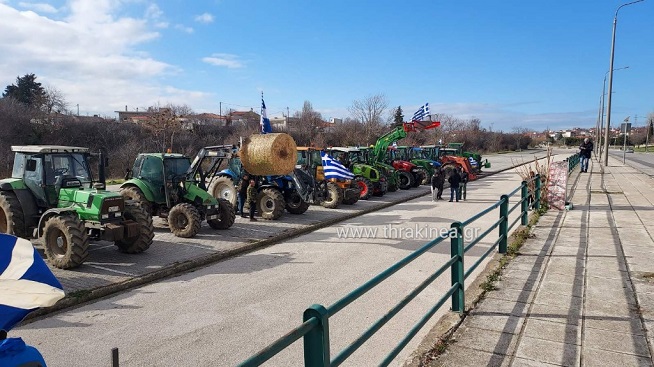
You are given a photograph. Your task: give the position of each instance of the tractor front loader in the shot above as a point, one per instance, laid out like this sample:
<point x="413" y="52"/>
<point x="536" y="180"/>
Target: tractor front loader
<point x="52" y="197"/>
<point x="169" y="186"/>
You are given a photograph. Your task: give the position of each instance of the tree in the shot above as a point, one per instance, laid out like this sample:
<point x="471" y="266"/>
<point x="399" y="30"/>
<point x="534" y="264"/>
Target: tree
<point x="369" y="112"/>
<point x="309" y="124"/>
<point x="53" y="101"/>
<point x="398" y="117"/>
<point x="520" y="135"/>
<point x="26" y="90"/>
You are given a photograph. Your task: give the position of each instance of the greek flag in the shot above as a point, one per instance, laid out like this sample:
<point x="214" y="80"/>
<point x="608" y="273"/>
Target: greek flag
<point x="26" y="282"/>
<point x="334" y="169"/>
<point x="421" y="113"/>
<point x="265" y="121"/>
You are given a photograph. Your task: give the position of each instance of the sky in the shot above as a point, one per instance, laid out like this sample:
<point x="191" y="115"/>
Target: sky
<point x="510" y="63"/>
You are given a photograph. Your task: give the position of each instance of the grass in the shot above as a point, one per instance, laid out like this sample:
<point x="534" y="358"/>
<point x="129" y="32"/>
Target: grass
<point x="79" y="294"/>
<point x="115" y="181"/>
<point x="650" y="148"/>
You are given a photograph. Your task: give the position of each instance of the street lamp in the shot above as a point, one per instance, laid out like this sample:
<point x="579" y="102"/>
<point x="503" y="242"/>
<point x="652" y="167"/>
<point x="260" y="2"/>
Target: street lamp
<point x="600" y="121"/>
<point x="608" y="110"/>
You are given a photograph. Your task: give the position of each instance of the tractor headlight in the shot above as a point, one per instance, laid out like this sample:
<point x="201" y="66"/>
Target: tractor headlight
<point x="112" y="209"/>
<point x="105" y="216"/>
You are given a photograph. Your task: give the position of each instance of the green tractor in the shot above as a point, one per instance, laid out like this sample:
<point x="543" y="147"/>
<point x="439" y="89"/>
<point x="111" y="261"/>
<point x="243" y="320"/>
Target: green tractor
<point x="169" y="186"/>
<point x="371" y="180"/>
<point x="51" y="197"/>
<point x="418" y="157"/>
<point x="393" y="176"/>
<point x="474" y="158"/>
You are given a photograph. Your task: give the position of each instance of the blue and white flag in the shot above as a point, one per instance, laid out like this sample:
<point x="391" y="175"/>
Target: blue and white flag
<point x="421" y="113"/>
<point x="265" y="121"/>
<point x="334" y="169"/>
<point x="26" y="282"/>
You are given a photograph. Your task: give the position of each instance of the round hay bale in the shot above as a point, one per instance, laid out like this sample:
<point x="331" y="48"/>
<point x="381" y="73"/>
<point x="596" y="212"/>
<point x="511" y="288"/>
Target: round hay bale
<point x="269" y="154"/>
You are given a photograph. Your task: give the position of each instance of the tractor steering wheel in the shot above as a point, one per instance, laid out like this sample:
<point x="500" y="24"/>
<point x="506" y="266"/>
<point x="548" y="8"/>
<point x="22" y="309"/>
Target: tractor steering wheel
<point x="60" y="171"/>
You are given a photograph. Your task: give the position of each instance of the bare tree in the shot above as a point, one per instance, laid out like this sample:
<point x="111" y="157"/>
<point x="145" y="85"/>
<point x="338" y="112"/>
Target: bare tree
<point x="309" y="124"/>
<point x="369" y="112"/>
<point x="520" y="136"/>
<point x="53" y="102"/>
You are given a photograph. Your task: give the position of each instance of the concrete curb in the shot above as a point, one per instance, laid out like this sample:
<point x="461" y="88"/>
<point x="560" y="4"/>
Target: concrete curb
<point x="80" y="298"/>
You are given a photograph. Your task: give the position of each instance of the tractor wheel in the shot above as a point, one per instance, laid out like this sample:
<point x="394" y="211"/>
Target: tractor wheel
<point x="405" y="181"/>
<point x="142" y="242"/>
<point x="351" y="201"/>
<point x="223" y="188"/>
<point x="135" y="194"/>
<point x="11" y="215"/>
<point x="184" y="220"/>
<point x="270" y="203"/>
<point x="66" y="241"/>
<point x="227" y="215"/>
<point x="420" y="176"/>
<point x="295" y="204"/>
<point x="365" y="187"/>
<point x="334" y="196"/>
<point x="392" y="188"/>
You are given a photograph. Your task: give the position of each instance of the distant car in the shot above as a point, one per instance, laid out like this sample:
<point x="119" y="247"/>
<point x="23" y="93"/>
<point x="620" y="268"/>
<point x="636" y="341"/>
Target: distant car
<point x="629" y="150"/>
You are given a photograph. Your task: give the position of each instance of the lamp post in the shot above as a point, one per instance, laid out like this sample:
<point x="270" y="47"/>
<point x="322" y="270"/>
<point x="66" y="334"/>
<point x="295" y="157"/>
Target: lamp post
<point x="601" y="122"/>
<point x="608" y="110"/>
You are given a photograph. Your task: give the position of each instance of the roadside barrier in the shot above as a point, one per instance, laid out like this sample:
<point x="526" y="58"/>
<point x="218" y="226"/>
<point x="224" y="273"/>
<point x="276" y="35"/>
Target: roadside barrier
<point x="573" y="161"/>
<point x="315" y="327"/>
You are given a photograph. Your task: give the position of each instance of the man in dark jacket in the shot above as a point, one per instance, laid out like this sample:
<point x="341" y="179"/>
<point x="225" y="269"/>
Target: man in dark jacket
<point x="463" y="186"/>
<point x="439" y="183"/>
<point x="242" y="193"/>
<point x="252" y="198"/>
<point x="454" y="180"/>
<point x="585" y="150"/>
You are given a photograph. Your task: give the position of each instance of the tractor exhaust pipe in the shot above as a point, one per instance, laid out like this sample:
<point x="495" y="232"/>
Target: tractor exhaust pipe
<point x="102" y="163"/>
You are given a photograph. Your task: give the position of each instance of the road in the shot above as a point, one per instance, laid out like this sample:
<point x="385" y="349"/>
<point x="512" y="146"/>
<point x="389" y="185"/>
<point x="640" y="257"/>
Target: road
<point x="643" y="162"/>
<point x="223" y="313"/>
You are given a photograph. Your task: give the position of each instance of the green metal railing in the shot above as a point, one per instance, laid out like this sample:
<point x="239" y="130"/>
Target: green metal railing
<point x="573" y="161"/>
<point x="315" y="326"/>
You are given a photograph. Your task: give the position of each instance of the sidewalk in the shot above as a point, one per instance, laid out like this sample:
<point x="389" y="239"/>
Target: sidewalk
<point x="581" y="292"/>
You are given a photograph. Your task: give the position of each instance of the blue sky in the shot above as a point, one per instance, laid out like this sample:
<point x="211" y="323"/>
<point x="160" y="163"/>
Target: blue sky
<point x="510" y="63"/>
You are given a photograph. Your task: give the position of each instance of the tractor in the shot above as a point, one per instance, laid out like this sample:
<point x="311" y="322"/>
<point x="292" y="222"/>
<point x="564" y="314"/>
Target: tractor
<point x="369" y="179"/>
<point x="169" y="186"/>
<point x="310" y="160"/>
<point x="416" y="156"/>
<point x="449" y="160"/>
<point x="474" y="158"/>
<point x="52" y="197"/>
<point x="392" y="175"/>
<point x="275" y="193"/>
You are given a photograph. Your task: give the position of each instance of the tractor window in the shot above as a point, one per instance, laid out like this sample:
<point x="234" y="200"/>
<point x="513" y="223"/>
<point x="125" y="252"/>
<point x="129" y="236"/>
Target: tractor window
<point x="152" y="170"/>
<point x="19" y="166"/>
<point x="66" y="165"/>
<point x="302" y="157"/>
<point x="34" y="180"/>
<point x="176" y="167"/>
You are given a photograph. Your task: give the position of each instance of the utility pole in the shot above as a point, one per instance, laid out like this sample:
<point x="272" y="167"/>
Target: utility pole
<point x="78" y="109"/>
<point x="649" y="128"/>
<point x="221" y="108"/>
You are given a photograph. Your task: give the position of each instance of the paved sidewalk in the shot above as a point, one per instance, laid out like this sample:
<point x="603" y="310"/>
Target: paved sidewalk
<point x="581" y="293"/>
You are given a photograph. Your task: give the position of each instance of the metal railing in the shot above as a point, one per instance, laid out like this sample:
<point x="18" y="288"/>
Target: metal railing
<point x="573" y="161"/>
<point x="315" y="326"/>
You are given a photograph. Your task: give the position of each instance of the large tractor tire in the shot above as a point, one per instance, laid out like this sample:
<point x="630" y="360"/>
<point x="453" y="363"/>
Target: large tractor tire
<point x="223" y="188"/>
<point x="270" y="203"/>
<point x="227" y="215"/>
<point x="405" y="181"/>
<point x="184" y="220"/>
<point x="135" y="194"/>
<point x="392" y="188"/>
<point x="11" y="215"/>
<point x="420" y="177"/>
<point x="66" y="241"/>
<point x="142" y="242"/>
<point x="295" y="204"/>
<point x="365" y="187"/>
<point x="334" y="196"/>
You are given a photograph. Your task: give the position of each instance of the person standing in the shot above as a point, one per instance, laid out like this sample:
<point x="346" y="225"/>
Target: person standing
<point x="585" y="150"/>
<point x="434" y="185"/>
<point x="463" y="186"/>
<point x="454" y="180"/>
<point x="252" y="198"/>
<point x="242" y="193"/>
<point x="440" y="183"/>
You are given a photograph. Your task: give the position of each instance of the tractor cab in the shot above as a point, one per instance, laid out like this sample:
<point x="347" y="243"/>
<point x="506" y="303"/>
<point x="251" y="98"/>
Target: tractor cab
<point x="46" y="170"/>
<point x="163" y="174"/>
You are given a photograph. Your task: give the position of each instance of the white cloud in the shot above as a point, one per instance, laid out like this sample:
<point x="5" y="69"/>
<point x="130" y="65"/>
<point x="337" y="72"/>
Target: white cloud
<point x="91" y="55"/>
<point x="227" y="60"/>
<point x="184" y="28"/>
<point x="39" y="7"/>
<point x="205" y="18"/>
<point x="153" y="12"/>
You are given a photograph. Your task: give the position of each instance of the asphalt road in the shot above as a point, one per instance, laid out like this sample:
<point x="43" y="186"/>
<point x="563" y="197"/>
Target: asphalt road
<point x="643" y="162"/>
<point x="221" y="314"/>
